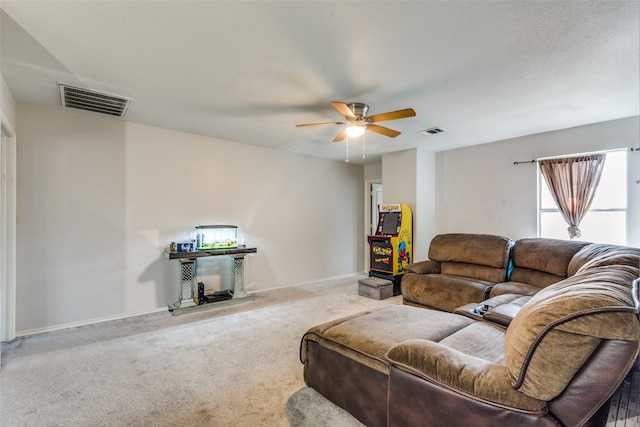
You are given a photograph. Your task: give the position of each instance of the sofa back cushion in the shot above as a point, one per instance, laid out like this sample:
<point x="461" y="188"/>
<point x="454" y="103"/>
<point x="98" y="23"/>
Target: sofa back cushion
<point x="542" y="262"/>
<point x="479" y="256"/>
<point x="602" y="254"/>
<point x="473" y="271"/>
<point x="556" y="332"/>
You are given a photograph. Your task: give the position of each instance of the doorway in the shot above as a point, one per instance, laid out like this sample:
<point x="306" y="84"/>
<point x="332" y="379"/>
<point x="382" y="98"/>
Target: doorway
<point x="7" y="230"/>
<point x="376" y="200"/>
<point x="373" y="198"/>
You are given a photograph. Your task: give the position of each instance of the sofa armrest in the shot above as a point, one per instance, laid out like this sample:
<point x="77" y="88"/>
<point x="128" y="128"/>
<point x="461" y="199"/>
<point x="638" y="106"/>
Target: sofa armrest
<point x="470" y="310"/>
<point x="460" y="373"/>
<point x="502" y="314"/>
<point x="423" y="267"/>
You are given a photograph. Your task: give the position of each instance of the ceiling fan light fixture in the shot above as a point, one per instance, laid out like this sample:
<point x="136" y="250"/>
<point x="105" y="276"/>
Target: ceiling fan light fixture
<point x="355" y="131"/>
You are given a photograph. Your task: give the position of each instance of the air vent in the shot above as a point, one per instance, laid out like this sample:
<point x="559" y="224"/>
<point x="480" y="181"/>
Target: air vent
<point x="91" y="100"/>
<point x="432" y="131"/>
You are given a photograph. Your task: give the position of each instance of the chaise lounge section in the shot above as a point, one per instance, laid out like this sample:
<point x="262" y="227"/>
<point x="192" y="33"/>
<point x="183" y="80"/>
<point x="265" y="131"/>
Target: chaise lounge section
<point x="556" y="362"/>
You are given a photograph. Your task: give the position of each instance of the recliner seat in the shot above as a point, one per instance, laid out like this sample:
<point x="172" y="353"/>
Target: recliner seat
<point x="462" y="268"/>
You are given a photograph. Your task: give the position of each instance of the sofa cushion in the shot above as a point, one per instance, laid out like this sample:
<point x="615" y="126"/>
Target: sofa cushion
<point x="536" y="278"/>
<point x="442" y="291"/>
<point x="455" y="370"/>
<point x="367" y="336"/>
<point x="481" y="339"/>
<point x="553" y="334"/>
<point x="481" y="249"/>
<point x="550" y="256"/>
<point x="601" y="254"/>
<point x="423" y="267"/>
<point x="476" y="271"/>
<point x="518" y="288"/>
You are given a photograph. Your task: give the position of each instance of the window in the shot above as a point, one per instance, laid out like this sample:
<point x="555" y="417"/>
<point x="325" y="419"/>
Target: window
<point x="606" y="221"/>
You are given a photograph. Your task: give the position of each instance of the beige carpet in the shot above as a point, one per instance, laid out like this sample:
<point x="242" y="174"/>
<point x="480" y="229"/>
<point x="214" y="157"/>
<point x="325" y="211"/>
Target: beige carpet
<point x="234" y="365"/>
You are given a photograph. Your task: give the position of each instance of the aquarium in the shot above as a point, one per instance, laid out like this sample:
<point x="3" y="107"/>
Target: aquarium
<point x="216" y="237"/>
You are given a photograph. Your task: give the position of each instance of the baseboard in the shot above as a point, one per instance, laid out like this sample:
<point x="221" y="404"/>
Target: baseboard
<point x="86" y="322"/>
<point x="312" y="282"/>
<point x="160" y="309"/>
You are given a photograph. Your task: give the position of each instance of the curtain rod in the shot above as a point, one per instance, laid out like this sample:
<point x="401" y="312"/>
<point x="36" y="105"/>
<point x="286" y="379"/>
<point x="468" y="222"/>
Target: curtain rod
<point x="536" y="160"/>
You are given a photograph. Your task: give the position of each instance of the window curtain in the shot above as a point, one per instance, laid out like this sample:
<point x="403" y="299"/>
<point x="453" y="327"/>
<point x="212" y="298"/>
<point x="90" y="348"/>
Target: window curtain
<point x="573" y="182"/>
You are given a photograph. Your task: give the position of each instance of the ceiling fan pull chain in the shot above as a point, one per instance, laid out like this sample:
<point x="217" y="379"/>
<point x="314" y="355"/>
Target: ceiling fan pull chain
<point x="347" y="148"/>
<point x="363" y="145"/>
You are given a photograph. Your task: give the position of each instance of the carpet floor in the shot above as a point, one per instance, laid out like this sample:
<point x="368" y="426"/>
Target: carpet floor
<point x="235" y="364"/>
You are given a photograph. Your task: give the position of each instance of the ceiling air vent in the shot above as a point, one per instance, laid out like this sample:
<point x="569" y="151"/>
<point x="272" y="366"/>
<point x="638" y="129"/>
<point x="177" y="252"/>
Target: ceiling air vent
<point x="432" y="131"/>
<point x="91" y="100"/>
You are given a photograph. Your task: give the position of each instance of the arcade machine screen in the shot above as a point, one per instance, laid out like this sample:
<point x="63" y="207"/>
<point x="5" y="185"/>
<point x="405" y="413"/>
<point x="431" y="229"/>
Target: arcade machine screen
<point x="390" y="223"/>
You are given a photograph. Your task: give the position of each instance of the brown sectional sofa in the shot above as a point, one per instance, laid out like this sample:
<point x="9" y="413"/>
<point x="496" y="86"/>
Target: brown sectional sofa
<point x="554" y="357"/>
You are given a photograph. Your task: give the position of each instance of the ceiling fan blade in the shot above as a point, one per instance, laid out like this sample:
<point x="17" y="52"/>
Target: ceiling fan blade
<point x="383" y="131"/>
<point x="340" y="136"/>
<point x="392" y="115"/>
<point x="319" y="124"/>
<point x="343" y="109"/>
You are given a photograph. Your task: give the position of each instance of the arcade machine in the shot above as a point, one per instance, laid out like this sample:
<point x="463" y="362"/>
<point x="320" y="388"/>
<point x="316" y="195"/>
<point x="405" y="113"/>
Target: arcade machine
<point x="391" y="248"/>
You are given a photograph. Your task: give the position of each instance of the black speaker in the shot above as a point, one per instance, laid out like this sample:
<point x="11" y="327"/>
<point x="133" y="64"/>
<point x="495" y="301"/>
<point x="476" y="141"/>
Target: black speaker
<point x="200" y="293"/>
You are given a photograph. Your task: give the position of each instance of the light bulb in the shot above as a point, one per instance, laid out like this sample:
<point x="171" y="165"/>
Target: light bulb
<point x="355" y="130"/>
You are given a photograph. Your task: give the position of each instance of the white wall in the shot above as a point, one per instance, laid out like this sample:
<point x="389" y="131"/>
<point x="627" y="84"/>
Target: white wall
<point x="8" y="212"/>
<point x="424" y="222"/>
<point x="99" y="199"/>
<point x="373" y="172"/>
<point x="7" y="103"/>
<point x="480" y="190"/>
<point x="399" y="177"/>
<point x="408" y="177"/>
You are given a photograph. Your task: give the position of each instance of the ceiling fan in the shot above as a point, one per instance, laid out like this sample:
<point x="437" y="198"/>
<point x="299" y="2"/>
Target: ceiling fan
<point x="357" y="121"/>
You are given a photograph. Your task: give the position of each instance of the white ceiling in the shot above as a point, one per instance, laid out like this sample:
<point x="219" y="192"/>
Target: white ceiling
<point x="250" y="71"/>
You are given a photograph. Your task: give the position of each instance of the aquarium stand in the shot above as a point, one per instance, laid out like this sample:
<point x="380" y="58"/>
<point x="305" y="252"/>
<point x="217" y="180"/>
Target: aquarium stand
<point x="187" y="274"/>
